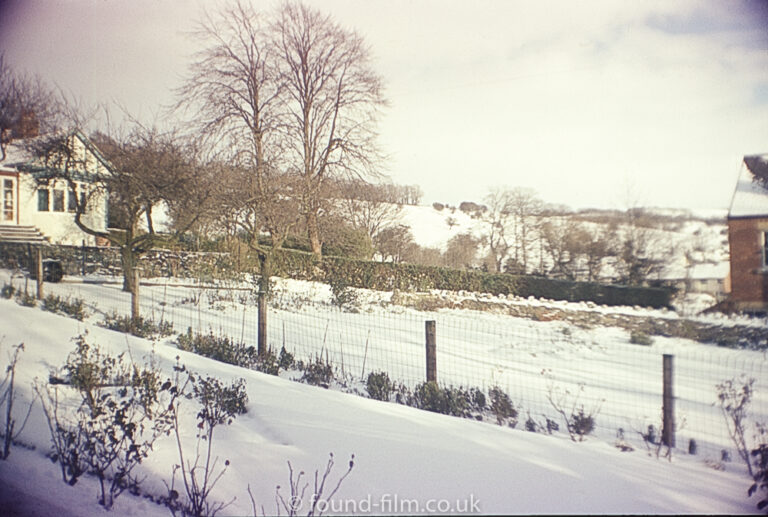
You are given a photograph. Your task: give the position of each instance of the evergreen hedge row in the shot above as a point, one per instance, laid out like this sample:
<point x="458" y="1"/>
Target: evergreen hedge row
<point x="386" y="276"/>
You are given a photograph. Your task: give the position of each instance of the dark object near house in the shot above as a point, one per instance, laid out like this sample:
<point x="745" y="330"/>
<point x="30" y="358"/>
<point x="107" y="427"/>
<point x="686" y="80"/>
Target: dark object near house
<point x="52" y="271"/>
<point x="758" y="166"/>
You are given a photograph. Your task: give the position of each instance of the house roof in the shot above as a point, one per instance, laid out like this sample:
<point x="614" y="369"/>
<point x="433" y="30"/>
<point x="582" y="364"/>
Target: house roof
<point x="15" y="156"/>
<point x="19" y="158"/>
<point x="750" y="198"/>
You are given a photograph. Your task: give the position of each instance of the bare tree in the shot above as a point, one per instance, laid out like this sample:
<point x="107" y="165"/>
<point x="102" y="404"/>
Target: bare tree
<point x="152" y="169"/>
<point x="234" y="88"/>
<point x="393" y="243"/>
<point x="201" y="214"/>
<point x="258" y="202"/>
<point x="403" y="194"/>
<point x="413" y="195"/>
<point x="641" y="254"/>
<point x="526" y="208"/>
<point x="332" y="97"/>
<point x="257" y="199"/>
<point x="290" y="95"/>
<point x="599" y="244"/>
<point x="577" y="250"/>
<point x="28" y="106"/>
<point x="497" y="218"/>
<point x="235" y="91"/>
<point x="396" y="244"/>
<point x="461" y="252"/>
<point x="562" y="242"/>
<point x="426" y="256"/>
<point x="366" y="206"/>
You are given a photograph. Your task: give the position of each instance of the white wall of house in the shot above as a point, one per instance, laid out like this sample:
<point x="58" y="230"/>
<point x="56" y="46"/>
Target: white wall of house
<point x="54" y="217"/>
<point x="58" y="221"/>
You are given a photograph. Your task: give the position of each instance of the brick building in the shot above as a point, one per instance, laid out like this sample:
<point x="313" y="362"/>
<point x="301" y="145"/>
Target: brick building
<point x="748" y="236"/>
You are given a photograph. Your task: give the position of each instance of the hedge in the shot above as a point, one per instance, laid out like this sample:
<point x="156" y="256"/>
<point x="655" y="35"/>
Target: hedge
<point x="387" y="276"/>
<point x="381" y="276"/>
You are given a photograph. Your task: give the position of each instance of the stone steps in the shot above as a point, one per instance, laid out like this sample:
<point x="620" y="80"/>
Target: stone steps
<point x="22" y="234"/>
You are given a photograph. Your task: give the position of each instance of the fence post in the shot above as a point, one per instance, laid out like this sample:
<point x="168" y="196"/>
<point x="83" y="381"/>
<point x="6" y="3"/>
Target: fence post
<point x="262" y="305"/>
<point x="431" y="334"/>
<point x="82" y="258"/>
<point x="39" y="271"/>
<point x="262" y="338"/>
<point x="668" y="404"/>
<point x="135" y="295"/>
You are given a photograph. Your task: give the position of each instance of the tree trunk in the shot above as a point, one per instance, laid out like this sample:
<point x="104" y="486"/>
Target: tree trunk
<point x="135" y="296"/>
<point x="313" y="232"/>
<point x="129" y="262"/>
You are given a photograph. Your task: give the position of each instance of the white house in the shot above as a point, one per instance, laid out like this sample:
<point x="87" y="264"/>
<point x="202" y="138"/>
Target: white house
<point x="35" y="209"/>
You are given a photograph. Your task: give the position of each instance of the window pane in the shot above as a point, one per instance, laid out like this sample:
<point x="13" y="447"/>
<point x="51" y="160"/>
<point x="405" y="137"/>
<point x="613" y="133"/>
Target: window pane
<point x="42" y="200"/>
<point x="72" y="201"/>
<point x="765" y="249"/>
<point x="58" y="200"/>
<point x="8" y="209"/>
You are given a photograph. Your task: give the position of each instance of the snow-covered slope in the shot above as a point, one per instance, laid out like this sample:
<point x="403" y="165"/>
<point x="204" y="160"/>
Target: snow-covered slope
<point x="693" y="244"/>
<point x="434" y="228"/>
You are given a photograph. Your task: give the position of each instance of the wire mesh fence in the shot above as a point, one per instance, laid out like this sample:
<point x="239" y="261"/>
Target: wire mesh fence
<point x="549" y="369"/>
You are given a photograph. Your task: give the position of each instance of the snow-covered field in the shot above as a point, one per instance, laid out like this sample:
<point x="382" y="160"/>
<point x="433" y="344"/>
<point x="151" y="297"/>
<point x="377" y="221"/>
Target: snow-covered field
<point x="404" y="454"/>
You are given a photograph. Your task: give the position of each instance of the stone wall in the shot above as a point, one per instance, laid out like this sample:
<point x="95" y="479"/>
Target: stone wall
<point x="81" y="260"/>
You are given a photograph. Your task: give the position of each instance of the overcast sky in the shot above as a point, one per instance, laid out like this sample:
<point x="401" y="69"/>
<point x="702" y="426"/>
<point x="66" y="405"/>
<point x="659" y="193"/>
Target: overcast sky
<point x="588" y="103"/>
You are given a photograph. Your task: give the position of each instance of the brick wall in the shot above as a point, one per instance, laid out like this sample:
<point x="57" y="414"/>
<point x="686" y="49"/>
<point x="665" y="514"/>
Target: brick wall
<point x="749" y="280"/>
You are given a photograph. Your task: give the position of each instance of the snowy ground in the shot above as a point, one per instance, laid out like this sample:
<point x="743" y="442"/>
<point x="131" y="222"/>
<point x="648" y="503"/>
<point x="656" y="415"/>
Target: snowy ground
<point x="404" y="455"/>
<point x="526" y="358"/>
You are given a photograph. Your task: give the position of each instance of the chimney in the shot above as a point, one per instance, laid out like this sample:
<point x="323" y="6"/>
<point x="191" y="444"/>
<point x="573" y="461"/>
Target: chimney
<point x="27" y="126"/>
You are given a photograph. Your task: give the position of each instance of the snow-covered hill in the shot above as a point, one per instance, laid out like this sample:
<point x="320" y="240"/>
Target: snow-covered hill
<point x="693" y="244"/>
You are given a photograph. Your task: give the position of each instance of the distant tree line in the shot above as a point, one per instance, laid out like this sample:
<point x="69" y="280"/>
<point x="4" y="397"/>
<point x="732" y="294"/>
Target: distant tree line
<point x="520" y="234"/>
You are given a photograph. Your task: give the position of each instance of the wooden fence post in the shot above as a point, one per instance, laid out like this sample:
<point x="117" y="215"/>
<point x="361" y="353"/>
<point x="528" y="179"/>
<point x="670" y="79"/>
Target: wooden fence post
<point x="39" y="271"/>
<point x="262" y="338"/>
<point x="668" y="404"/>
<point x="262" y="306"/>
<point x="135" y="295"/>
<point x="431" y="334"/>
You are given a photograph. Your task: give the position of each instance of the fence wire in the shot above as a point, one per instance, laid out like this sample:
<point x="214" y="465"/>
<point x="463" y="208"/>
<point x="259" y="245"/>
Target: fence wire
<point x="541" y="365"/>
